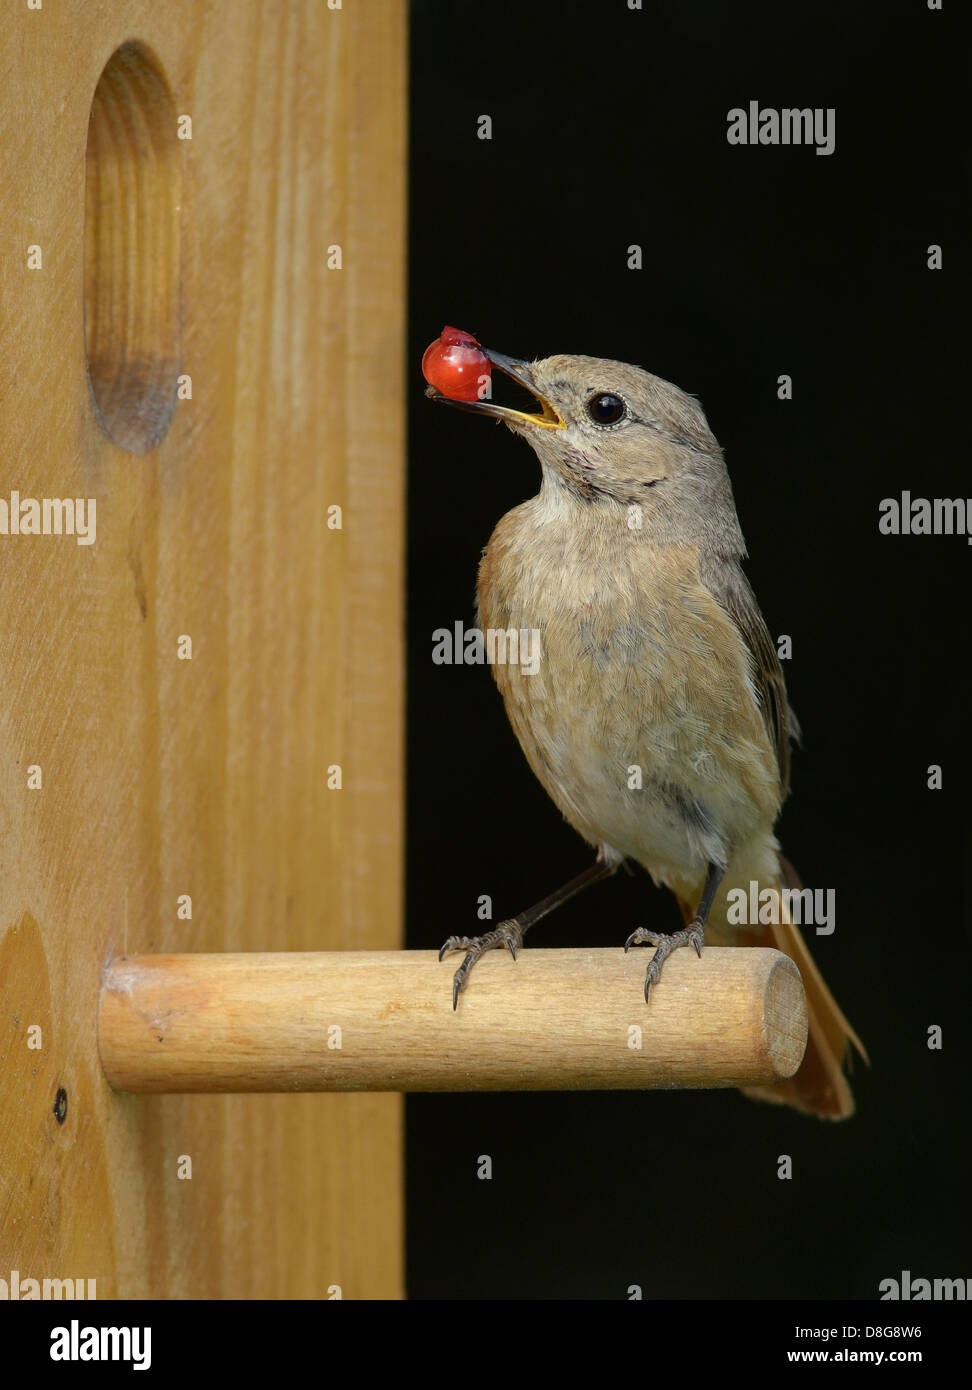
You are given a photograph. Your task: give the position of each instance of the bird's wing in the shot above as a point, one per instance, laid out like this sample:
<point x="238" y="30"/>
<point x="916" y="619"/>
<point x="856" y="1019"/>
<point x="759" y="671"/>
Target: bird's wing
<point x="728" y="585"/>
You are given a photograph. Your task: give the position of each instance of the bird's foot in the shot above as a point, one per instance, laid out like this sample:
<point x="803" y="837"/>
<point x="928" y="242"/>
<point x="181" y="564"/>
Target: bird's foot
<point x="665" y="943"/>
<point x="506" y="934"/>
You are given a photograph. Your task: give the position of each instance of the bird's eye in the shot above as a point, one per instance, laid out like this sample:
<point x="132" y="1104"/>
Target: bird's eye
<point x="606" y="409"/>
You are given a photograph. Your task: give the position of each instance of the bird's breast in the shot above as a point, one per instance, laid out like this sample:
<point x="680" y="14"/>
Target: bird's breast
<point x="639" y="718"/>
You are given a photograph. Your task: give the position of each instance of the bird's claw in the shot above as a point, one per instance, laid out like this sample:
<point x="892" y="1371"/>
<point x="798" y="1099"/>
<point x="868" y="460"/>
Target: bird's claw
<point x="506" y="934"/>
<point x="639" y="936"/>
<point x="665" y="943"/>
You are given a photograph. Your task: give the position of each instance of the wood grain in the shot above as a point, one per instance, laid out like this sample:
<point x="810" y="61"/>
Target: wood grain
<point x="383" y="1021"/>
<point x="207" y="776"/>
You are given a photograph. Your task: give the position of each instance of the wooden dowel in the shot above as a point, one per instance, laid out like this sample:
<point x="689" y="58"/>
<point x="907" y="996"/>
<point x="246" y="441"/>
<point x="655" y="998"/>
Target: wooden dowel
<point x="383" y="1021"/>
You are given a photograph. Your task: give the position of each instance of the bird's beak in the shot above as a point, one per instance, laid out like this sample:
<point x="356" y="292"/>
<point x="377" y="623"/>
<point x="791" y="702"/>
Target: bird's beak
<point x="549" y="418"/>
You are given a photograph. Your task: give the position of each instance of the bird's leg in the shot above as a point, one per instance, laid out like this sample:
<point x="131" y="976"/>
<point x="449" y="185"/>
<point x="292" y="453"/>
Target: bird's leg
<point x="694" y="933"/>
<point x="510" y="933"/>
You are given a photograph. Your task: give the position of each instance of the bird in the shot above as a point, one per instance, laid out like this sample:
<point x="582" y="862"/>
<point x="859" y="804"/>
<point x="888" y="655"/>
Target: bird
<point x="657" y="717"/>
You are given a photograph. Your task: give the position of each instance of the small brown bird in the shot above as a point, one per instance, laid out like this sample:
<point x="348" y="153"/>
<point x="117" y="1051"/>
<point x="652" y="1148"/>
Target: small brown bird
<point x="657" y="717"/>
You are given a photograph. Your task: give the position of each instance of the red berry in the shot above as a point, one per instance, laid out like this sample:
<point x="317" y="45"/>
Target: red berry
<point x="456" y="365"/>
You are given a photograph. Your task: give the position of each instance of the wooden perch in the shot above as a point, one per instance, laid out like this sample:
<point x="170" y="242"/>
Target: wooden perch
<point x="383" y="1021"/>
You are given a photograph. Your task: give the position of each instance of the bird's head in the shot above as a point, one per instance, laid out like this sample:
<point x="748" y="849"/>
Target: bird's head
<point x="613" y="434"/>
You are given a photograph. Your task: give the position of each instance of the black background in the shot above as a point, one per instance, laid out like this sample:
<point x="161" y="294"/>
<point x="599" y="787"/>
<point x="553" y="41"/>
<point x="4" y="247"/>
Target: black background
<point x="609" y="128"/>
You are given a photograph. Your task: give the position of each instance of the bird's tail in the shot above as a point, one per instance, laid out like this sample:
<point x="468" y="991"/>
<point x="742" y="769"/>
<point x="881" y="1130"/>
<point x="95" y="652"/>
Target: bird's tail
<point x="819" y="1086"/>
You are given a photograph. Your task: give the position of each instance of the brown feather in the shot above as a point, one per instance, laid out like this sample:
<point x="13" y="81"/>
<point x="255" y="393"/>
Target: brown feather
<point x="729" y="586"/>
